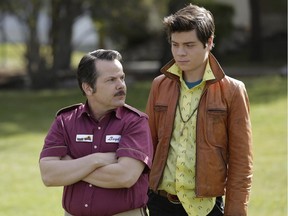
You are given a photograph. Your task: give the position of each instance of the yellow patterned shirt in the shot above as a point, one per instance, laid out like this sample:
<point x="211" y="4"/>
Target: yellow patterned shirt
<point x="179" y="172"/>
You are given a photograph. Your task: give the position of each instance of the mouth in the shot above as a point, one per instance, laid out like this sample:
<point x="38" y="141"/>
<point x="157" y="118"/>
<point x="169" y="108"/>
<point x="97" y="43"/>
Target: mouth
<point x="120" y="93"/>
<point x="182" y="61"/>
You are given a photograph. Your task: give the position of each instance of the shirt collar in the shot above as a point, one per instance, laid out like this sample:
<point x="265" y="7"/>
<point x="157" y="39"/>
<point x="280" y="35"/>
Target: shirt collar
<point x="85" y="110"/>
<point x="208" y="74"/>
<point x="118" y="112"/>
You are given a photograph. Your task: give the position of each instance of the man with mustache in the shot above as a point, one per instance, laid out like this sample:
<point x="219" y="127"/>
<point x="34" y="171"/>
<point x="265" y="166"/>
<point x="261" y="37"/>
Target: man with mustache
<point x="100" y="151"/>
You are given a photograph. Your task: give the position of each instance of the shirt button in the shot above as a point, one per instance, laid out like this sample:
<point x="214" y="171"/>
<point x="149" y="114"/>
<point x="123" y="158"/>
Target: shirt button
<point x="95" y="147"/>
<point x="99" y="128"/>
<point x="90" y="185"/>
<point x="86" y="205"/>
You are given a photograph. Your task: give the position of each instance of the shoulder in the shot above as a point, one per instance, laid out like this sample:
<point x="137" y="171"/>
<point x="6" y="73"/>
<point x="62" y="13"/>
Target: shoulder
<point x="164" y="82"/>
<point x="135" y="111"/>
<point x="233" y="88"/>
<point x="165" y="78"/>
<point x="159" y="78"/>
<point x="232" y="82"/>
<point x="68" y="109"/>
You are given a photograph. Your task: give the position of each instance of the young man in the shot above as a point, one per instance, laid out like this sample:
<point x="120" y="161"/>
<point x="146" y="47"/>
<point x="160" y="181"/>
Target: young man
<point x="100" y="151"/>
<point x="200" y="126"/>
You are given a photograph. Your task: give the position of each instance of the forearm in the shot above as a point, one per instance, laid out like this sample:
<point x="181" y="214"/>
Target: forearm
<point x="106" y="177"/>
<point x="123" y="174"/>
<point x="57" y="172"/>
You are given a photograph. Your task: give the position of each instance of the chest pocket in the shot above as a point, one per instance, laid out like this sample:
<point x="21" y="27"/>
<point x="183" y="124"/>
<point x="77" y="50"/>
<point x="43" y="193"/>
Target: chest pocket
<point x="160" y="108"/>
<point x="160" y="117"/>
<point x="217" y="126"/>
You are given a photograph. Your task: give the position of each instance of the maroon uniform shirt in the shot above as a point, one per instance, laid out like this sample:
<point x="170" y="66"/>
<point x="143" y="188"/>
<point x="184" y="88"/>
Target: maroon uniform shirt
<point x="124" y="131"/>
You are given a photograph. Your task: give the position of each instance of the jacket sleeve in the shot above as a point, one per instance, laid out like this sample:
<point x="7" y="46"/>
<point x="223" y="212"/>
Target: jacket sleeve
<point x="240" y="160"/>
<point x="151" y="114"/>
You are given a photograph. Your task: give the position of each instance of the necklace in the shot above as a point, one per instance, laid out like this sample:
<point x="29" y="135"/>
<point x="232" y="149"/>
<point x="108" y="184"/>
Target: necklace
<point x="182" y="119"/>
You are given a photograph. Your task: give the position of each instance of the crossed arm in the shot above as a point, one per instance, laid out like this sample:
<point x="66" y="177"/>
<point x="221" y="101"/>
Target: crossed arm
<point x="99" y="169"/>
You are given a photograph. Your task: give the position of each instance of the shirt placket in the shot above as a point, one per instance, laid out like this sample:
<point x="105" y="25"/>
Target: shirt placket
<point x="95" y="147"/>
<point x="181" y="159"/>
<point x="97" y="131"/>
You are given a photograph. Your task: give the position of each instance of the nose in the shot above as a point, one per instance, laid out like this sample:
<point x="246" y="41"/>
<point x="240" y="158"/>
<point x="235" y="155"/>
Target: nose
<point x="180" y="51"/>
<point x="121" y="84"/>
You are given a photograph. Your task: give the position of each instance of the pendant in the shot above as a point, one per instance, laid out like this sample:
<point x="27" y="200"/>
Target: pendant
<point x="182" y="130"/>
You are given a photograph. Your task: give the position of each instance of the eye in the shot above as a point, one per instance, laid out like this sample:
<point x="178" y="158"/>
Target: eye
<point x="111" y="79"/>
<point x="189" y="45"/>
<point x="174" y="45"/>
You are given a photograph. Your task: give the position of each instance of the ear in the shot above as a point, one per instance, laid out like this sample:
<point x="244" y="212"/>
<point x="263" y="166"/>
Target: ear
<point x="210" y="43"/>
<point x="87" y="88"/>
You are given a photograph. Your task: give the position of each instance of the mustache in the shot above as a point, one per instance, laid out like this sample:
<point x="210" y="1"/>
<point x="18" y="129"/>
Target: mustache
<point x="120" y="93"/>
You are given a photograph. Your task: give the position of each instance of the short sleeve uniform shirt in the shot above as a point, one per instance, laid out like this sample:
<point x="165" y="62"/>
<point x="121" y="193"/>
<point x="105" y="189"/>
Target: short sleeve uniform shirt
<point x="124" y="131"/>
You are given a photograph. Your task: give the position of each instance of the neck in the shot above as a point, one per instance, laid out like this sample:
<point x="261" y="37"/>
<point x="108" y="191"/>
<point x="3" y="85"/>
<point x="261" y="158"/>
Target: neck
<point x="97" y="116"/>
<point x="98" y="112"/>
<point x="194" y="75"/>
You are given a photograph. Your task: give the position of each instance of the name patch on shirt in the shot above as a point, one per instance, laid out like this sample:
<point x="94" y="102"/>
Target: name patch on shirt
<point x="113" y="138"/>
<point x="84" y="138"/>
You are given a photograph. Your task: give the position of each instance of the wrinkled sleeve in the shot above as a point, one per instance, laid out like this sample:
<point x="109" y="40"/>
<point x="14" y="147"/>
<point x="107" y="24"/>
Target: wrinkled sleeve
<point x="136" y="141"/>
<point x="240" y="165"/>
<point x="151" y="113"/>
<point x="54" y="144"/>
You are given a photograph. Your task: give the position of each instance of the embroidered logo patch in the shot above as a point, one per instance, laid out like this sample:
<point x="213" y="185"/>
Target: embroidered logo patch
<point x="113" y="138"/>
<point x="84" y="138"/>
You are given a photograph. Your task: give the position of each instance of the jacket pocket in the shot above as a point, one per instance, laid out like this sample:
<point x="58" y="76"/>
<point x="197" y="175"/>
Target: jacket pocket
<point x="160" y="117"/>
<point x="211" y="173"/>
<point x="160" y="108"/>
<point x="217" y="133"/>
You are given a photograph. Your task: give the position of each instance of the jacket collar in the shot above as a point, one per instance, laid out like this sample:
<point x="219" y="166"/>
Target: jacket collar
<point x="215" y="67"/>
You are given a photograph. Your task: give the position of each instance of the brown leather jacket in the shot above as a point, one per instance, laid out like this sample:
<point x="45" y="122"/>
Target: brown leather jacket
<point x="224" y="137"/>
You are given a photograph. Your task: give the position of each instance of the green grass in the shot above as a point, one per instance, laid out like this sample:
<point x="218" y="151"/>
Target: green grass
<point x="269" y="192"/>
<point x="26" y="116"/>
<point x="268" y="98"/>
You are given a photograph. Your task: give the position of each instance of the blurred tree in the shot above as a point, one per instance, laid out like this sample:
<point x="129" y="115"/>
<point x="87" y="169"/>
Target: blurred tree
<point x="63" y="15"/>
<point x="35" y="63"/>
<point x="3" y="36"/>
<point x="123" y="22"/>
<point x="256" y="53"/>
<point x="27" y="12"/>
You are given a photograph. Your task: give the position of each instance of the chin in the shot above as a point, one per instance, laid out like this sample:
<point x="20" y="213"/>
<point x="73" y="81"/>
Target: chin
<point x="120" y="103"/>
<point x="185" y="67"/>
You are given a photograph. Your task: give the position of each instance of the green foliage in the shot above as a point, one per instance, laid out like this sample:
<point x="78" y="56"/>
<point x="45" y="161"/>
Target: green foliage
<point x="11" y="56"/>
<point x="223" y="14"/>
<point x="126" y="23"/>
<point x="279" y="6"/>
<point x="26" y="116"/>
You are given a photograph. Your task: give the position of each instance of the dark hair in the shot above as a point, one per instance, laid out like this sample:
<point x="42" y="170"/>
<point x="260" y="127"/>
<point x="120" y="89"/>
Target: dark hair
<point x="87" y="71"/>
<point x="191" y="17"/>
